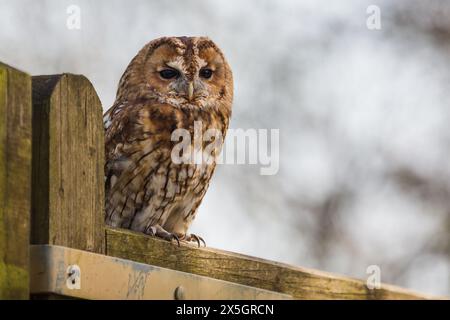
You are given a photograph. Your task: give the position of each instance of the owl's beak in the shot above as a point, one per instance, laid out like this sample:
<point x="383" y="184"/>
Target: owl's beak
<point x="191" y="91"/>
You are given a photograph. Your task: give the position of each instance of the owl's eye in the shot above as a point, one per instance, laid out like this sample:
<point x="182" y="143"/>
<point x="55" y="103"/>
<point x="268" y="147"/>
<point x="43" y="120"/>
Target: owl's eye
<point x="169" y="73"/>
<point x="206" y="73"/>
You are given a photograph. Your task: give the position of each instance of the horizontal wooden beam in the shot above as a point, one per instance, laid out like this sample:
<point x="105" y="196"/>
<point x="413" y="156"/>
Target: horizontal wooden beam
<point x="85" y="275"/>
<point x="301" y="283"/>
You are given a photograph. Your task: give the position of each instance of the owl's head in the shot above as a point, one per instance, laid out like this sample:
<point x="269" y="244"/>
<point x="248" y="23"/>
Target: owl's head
<point x="181" y="71"/>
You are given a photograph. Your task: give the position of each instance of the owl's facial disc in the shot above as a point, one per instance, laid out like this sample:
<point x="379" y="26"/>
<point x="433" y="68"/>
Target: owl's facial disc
<point x="187" y="79"/>
<point x="190" y="73"/>
<point x="179" y="86"/>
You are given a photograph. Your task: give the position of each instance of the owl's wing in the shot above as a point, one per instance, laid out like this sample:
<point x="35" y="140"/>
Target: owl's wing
<point x="122" y="127"/>
<point x="137" y="154"/>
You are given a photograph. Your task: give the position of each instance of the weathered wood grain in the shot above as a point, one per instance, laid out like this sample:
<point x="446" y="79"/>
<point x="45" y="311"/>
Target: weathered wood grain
<point x="301" y="283"/>
<point x="15" y="182"/>
<point x="68" y="160"/>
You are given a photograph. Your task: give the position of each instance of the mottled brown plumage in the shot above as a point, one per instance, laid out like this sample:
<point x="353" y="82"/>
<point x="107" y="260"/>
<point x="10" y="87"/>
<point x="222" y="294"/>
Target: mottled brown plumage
<point x="146" y="190"/>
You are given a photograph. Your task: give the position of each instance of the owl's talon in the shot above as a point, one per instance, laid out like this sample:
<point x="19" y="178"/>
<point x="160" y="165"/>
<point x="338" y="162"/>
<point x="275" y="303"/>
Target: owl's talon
<point x="169" y="237"/>
<point x="158" y="231"/>
<point x="174" y="236"/>
<point x="196" y="239"/>
<point x="201" y="240"/>
<point x="193" y="237"/>
<point x="152" y="231"/>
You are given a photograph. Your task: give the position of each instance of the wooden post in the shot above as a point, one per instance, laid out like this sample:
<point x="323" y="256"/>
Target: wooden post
<point x="15" y="182"/>
<point x="68" y="163"/>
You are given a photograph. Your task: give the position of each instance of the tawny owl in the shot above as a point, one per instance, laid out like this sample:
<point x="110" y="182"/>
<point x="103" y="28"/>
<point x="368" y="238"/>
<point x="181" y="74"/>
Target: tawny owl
<point x="172" y="83"/>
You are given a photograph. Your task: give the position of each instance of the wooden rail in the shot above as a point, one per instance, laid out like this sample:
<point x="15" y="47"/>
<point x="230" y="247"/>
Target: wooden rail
<point x="52" y="187"/>
<point x="301" y="283"/>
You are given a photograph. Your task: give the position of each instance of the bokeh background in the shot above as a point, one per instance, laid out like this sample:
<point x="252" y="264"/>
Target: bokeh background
<point x="363" y="115"/>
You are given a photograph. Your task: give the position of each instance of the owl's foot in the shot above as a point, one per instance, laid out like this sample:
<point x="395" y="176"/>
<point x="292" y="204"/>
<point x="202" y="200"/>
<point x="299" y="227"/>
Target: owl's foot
<point x="193" y="237"/>
<point x="159" y="232"/>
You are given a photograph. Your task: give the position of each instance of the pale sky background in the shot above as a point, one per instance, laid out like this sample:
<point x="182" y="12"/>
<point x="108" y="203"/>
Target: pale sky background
<point x="363" y="117"/>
